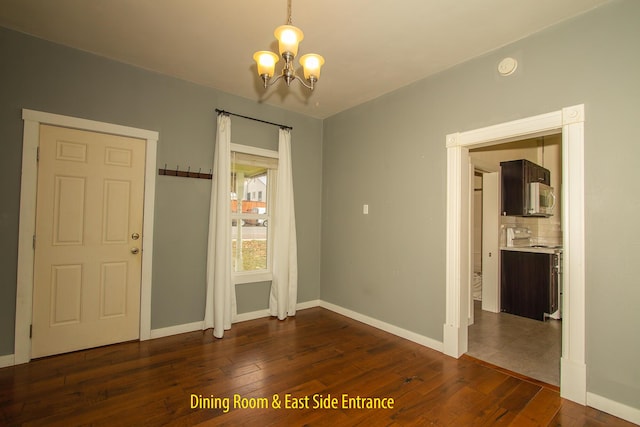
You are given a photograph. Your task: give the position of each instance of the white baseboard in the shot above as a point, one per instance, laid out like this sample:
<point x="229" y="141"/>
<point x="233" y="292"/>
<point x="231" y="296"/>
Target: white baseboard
<point x="265" y="313"/>
<point x="309" y="304"/>
<point x="612" y="407"/>
<point x="387" y="327"/>
<point x="197" y="326"/>
<point x="7" y="360"/>
<point x="252" y="315"/>
<point x="175" y="330"/>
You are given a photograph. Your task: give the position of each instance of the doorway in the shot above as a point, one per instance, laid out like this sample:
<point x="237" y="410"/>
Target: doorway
<point x="24" y="295"/>
<point x="569" y="121"/>
<point x="528" y="347"/>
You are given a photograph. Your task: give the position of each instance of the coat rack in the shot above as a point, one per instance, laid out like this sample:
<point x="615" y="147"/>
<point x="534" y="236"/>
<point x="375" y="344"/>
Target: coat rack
<point x="183" y="173"/>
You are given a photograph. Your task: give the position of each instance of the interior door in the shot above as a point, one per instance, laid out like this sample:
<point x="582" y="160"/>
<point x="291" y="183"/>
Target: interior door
<point x="87" y="268"/>
<point x="490" y="242"/>
<point x="470" y="311"/>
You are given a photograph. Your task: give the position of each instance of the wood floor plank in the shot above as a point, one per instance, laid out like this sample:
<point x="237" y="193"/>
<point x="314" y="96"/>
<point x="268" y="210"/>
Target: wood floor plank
<point x="541" y="409"/>
<point x="316" y="355"/>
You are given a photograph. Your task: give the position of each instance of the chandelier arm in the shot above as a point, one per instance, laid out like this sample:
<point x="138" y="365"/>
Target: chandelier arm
<point x="272" y="81"/>
<point x="304" y="83"/>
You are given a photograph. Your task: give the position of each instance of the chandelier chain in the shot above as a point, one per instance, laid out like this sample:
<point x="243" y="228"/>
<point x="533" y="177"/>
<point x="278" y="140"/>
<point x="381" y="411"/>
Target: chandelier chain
<point x="289" y="12"/>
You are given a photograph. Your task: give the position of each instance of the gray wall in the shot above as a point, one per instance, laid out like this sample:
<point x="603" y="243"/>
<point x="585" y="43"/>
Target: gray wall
<point x="42" y="76"/>
<point x="390" y="153"/>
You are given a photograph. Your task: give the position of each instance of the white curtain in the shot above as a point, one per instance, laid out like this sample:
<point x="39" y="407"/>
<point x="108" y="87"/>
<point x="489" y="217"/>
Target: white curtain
<point x="284" y="287"/>
<point x="220" y="306"/>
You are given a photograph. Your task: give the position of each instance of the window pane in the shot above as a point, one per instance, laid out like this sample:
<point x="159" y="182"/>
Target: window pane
<point x="252" y="177"/>
<point x="249" y="178"/>
<point x="249" y="247"/>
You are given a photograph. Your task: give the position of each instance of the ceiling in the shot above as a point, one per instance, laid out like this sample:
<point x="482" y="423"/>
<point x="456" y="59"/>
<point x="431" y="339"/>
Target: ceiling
<point x="370" y="47"/>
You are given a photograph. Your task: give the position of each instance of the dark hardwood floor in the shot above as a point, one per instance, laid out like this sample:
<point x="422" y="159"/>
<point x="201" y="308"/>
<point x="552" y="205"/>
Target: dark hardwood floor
<point x="260" y="362"/>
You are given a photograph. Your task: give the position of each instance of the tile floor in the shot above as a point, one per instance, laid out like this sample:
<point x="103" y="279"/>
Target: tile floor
<point x="522" y="345"/>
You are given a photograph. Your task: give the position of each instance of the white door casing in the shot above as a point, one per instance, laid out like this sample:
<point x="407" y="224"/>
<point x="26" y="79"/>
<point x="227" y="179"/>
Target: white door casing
<point x="24" y="309"/>
<point x="87" y="265"/>
<point x="571" y="121"/>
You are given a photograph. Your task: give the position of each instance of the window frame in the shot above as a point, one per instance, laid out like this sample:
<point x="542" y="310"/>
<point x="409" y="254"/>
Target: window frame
<point x="266" y="275"/>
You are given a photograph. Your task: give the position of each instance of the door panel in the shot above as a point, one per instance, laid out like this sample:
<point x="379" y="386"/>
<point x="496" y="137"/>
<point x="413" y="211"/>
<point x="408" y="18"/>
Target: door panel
<point x="89" y="203"/>
<point x="113" y="290"/>
<point x="68" y="210"/>
<point x="115" y="218"/>
<point x="66" y="286"/>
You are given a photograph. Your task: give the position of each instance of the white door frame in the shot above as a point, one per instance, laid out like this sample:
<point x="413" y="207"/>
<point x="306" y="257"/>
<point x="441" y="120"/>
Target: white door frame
<point x="28" y="186"/>
<point x="571" y="121"/>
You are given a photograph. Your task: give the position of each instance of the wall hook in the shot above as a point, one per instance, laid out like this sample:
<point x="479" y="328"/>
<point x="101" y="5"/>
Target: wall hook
<point x="185" y="174"/>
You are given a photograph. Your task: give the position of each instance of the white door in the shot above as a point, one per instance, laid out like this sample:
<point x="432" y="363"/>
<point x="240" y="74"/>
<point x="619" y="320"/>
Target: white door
<point x="490" y="242"/>
<point x="470" y="311"/>
<point x="87" y="268"/>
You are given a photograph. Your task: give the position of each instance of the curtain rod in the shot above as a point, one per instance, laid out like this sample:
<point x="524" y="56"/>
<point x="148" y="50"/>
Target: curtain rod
<point x="254" y="119"/>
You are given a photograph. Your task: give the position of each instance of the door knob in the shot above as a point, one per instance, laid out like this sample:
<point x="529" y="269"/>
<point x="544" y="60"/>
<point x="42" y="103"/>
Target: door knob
<point x="135" y="250"/>
<point x="135" y="236"/>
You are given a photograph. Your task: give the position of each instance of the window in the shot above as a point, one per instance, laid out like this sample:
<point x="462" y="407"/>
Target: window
<point x="253" y="172"/>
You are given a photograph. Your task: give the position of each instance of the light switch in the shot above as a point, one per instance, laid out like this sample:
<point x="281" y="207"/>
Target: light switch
<point x="365" y="209"/>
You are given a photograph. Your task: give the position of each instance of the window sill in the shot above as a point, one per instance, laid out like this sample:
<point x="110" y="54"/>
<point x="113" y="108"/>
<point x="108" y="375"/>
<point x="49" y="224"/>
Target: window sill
<point x="242" y="278"/>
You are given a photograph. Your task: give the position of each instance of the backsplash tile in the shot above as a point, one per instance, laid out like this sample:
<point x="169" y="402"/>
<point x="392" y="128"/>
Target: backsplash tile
<point x="544" y="231"/>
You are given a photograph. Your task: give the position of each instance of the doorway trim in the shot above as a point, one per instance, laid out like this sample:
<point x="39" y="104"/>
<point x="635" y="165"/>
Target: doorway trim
<point x="28" y="187"/>
<point x="570" y="121"/>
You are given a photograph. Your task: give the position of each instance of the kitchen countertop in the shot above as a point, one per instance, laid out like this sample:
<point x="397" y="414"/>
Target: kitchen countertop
<point x="539" y="250"/>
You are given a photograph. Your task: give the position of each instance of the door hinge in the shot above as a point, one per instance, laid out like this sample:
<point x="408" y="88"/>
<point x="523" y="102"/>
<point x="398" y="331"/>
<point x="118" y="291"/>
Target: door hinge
<point x="34" y="241"/>
<point x="30" y="331"/>
<point x="38" y="154"/>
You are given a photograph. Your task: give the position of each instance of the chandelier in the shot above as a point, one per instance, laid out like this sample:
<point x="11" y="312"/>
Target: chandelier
<point x="288" y="39"/>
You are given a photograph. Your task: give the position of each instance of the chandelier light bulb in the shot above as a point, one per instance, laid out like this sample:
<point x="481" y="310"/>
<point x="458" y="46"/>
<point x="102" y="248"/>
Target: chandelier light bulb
<point x="288" y="39"/>
<point x="311" y="64"/>
<point x="266" y="62"/>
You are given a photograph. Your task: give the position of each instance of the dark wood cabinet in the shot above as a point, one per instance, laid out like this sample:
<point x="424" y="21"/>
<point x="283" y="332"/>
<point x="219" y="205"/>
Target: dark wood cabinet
<point x="529" y="284"/>
<point x="516" y="174"/>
